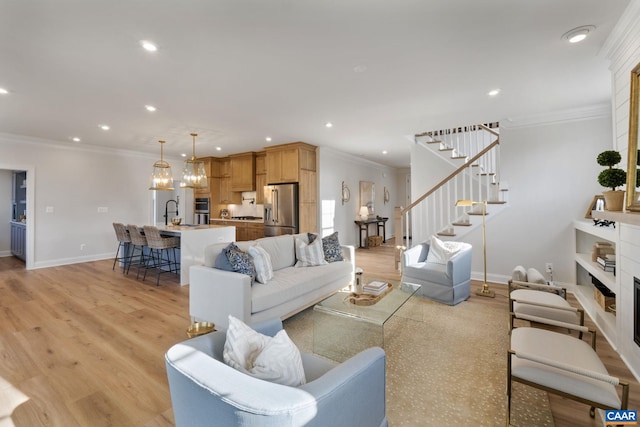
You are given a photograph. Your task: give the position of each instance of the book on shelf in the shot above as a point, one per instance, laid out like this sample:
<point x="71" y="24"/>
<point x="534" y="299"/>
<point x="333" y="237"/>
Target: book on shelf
<point x="606" y="261"/>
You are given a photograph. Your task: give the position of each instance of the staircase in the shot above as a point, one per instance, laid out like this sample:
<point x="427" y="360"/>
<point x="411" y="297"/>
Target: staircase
<point x="474" y="154"/>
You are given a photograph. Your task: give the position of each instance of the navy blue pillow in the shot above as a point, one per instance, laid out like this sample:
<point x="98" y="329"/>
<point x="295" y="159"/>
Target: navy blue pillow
<point x="222" y="261"/>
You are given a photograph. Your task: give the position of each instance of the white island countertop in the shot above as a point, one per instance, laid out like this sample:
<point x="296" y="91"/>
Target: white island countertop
<point x="193" y="240"/>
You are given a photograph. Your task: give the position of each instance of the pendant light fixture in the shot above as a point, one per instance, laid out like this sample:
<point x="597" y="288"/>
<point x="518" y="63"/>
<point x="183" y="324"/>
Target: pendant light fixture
<point x="194" y="174"/>
<point x="161" y="178"/>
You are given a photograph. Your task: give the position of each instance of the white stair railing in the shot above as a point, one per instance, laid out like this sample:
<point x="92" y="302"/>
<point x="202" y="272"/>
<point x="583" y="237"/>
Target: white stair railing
<point x="477" y="179"/>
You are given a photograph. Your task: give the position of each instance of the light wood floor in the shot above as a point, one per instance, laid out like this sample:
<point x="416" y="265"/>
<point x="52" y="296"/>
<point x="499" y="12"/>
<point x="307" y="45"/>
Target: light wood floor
<point x="83" y="345"/>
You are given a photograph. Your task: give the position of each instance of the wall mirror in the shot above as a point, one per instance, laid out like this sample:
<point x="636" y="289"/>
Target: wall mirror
<point x="368" y="195"/>
<point x="633" y="193"/>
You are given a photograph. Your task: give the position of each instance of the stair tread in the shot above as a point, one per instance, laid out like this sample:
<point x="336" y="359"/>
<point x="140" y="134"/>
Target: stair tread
<point x="461" y="224"/>
<point x="458" y="157"/>
<point x="446" y="149"/>
<point x="496" y="202"/>
<point x="441" y="233"/>
<point x="477" y="213"/>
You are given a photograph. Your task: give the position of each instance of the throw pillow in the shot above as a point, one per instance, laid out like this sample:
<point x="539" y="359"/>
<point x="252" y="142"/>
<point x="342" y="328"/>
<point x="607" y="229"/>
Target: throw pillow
<point x="280" y="362"/>
<point x="441" y="252"/>
<point x="241" y="262"/>
<point x="519" y="274"/>
<point x="274" y="359"/>
<point x="309" y="255"/>
<point x="534" y="276"/>
<point x="243" y="345"/>
<point x="222" y="261"/>
<point x="262" y="262"/>
<point x="331" y="248"/>
<point x="311" y="237"/>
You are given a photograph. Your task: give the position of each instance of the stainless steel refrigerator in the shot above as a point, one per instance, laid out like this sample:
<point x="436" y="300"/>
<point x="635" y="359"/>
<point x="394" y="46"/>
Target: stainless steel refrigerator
<point x="280" y="209"/>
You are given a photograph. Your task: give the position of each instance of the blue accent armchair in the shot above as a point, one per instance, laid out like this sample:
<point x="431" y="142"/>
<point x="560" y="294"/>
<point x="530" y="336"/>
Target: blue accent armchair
<point x="206" y="392"/>
<point x="448" y="283"/>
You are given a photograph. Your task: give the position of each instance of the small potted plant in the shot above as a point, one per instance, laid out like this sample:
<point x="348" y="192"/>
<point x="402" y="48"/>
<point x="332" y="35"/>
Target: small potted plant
<point x="612" y="178"/>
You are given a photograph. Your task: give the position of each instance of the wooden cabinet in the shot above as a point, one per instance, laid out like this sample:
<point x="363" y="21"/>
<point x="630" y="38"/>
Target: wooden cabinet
<point x="261" y="176"/>
<point x="296" y="162"/>
<point x="243" y="177"/>
<point x="224" y="167"/>
<point x="226" y="195"/>
<point x="255" y="230"/>
<point x="282" y="165"/>
<point x="261" y="181"/>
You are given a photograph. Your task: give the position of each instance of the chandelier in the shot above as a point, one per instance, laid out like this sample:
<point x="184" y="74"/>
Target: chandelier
<point x="161" y="177"/>
<point x="194" y="174"/>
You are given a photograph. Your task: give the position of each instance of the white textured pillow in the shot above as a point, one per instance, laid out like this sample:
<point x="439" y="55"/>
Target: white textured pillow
<point x="534" y="276"/>
<point x="243" y="345"/>
<point x="274" y="359"/>
<point x="440" y="252"/>
<point x="280" y="362"/>
<point x="519" y="274"/>
<point x="262" y="262"/>
<point x="309" y="255"/>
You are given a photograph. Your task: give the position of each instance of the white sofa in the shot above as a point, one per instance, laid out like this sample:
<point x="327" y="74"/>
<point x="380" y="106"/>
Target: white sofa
<point x="215" y="293"/>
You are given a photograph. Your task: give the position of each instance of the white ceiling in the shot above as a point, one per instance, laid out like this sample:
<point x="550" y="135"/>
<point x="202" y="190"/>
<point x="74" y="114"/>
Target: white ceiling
<point x="236" y="71"/>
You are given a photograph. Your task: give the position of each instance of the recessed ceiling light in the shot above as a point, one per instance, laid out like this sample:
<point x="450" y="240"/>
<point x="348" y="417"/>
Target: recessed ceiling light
<point x="150" y="108"/>
<point x="329" y="124"/>
<point x="359" y="68"/>
<point x="184" y="154"/>
<point x="218" y="148"/>
<point x="148" y="46"/>
<point x="268" y="139"/>
<point x="578" y="34"/>
<point x="493" y="92"/>
<point x="104" y="127"/>
<point x="384" y="151"/>
<point x="3" y="91"/>
<point x="75" y="139"/>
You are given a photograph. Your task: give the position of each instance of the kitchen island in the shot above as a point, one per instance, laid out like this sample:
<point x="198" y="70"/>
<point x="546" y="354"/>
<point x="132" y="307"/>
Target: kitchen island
<point x="193" y="240"/>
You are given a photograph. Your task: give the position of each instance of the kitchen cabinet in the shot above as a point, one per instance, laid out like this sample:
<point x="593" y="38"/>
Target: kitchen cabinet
<point x="227" y="196"/>
<point x="296" y="162"/>
<point x="19" y="240"/>
<point x="243" y="168"/>
<point x="224" y="167"/>
<point x="255" y="230"/>
<point x="261" y="176"/>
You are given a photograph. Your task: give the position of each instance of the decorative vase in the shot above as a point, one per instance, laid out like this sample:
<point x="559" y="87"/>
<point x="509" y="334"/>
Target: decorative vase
<point x="613" y="200"/>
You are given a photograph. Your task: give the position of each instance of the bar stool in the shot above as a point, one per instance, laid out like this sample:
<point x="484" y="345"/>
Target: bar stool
<point x="123" y="238"/>
<point x="139" y="242"/>
<point x="162" y="249"/>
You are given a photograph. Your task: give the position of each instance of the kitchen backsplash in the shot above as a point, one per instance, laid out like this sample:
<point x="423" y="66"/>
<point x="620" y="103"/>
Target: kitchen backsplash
<point x="248" y="206"/>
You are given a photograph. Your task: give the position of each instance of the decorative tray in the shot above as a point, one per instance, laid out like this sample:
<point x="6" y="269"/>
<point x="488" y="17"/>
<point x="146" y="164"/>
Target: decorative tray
<point x="200" y="328"/>
<point x="368" y="299"/>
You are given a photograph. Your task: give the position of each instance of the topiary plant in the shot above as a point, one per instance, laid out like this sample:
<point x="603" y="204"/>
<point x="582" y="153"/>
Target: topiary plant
<point x="612" y="177"/>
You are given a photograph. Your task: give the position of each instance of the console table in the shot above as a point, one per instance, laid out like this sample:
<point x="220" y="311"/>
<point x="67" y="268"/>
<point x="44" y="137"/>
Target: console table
<point x="363" y="225"/>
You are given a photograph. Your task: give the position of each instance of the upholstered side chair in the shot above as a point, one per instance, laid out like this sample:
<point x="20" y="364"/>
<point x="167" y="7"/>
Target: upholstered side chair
<point x="448" y="283"/>
<point x="205" y="391"/>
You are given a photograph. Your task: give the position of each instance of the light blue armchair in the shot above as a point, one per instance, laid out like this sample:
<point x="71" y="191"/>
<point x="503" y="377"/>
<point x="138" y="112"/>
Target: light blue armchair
<point x="448" y="283"/>
<point x="207" y="392"/>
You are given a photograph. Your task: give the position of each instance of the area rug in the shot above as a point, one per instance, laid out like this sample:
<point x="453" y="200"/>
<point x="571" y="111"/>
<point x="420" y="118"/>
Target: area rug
<point x="450" y="368"/>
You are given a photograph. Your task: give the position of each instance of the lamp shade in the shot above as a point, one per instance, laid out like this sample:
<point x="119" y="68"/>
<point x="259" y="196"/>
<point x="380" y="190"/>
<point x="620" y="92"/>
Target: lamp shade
<point x="364" y="212"/>
<point x="194" y="174"/>
<point x="161" y="177"/>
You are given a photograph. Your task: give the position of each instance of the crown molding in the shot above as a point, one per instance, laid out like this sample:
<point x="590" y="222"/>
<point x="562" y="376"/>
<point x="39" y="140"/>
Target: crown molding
<point x="10" y="138"/>
<point x="625" y="35"/>
<point x="598" y="111"/>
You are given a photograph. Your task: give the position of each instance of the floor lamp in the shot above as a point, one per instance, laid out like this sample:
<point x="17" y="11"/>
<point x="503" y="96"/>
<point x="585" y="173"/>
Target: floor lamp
<point x="484" y="292"/>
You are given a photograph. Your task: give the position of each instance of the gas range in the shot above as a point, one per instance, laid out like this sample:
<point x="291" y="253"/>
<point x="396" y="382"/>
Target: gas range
<point x="246" y="217"/>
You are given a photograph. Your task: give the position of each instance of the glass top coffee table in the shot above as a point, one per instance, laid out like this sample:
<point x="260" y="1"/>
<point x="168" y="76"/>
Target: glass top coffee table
<point x="342" y="329"/>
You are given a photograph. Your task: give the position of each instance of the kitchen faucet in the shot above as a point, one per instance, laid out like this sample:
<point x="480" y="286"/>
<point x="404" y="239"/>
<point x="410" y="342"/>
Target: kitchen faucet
<point x="166" y="209"/>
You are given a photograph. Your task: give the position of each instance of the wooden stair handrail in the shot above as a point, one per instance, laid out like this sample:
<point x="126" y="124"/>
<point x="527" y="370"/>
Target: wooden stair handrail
<point x="454" y="173"/>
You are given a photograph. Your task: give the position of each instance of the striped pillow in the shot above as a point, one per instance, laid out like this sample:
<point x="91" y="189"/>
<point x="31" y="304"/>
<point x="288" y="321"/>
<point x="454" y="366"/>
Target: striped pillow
<point x="309" y="255"/>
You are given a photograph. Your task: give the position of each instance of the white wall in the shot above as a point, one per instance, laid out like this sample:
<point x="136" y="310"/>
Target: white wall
<point x="6" y="178"/>
<point x="75" y="180"/>
<point x="551" y="170"/>
<point x="335" y="167"/>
